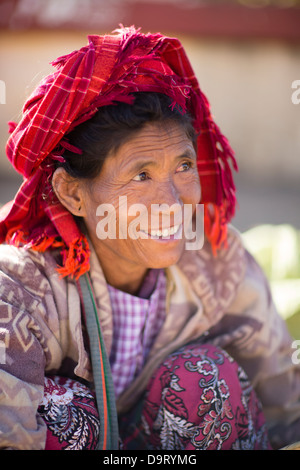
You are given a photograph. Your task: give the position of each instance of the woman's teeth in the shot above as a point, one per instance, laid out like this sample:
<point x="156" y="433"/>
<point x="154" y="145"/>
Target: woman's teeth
<point x="166" y="232"/>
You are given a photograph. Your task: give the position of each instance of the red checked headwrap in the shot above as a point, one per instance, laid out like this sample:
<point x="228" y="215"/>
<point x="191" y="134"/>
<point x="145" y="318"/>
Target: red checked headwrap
<point x="109" y="69"/>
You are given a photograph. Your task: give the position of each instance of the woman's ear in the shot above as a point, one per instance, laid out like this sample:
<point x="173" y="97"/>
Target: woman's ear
<point x="69" y="191"/>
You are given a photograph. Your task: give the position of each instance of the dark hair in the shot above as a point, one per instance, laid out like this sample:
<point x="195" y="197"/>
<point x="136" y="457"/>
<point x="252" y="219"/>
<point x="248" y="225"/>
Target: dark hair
<point x="113" y="125"/>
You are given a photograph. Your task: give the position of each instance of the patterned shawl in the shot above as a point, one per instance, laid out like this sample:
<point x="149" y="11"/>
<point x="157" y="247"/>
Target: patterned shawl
<point x="108" y="69"/>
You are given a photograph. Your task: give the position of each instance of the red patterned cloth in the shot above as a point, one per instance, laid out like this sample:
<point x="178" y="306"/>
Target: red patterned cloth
<point x="109" y="69"/>
<point x="222" y="412"/>
<point x="198" y="399"/>
<point x="69" y="409"/>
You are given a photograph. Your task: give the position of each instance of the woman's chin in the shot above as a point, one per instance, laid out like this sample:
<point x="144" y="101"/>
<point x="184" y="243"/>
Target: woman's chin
<point x="162" y="258"/>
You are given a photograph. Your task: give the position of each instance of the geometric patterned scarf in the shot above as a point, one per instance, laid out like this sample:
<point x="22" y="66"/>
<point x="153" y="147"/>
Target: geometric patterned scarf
<point x="108" y="69"/>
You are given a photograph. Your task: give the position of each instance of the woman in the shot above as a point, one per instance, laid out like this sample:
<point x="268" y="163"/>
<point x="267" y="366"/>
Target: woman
<point x="117" y="334"/>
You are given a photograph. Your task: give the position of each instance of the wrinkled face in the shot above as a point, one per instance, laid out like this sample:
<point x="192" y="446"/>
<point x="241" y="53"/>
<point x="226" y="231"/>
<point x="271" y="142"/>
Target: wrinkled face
<point x="134" y="210"/>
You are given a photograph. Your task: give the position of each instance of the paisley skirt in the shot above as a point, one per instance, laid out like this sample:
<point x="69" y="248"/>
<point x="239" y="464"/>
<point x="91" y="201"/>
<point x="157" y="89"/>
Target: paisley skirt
<point x="198" y="399"/>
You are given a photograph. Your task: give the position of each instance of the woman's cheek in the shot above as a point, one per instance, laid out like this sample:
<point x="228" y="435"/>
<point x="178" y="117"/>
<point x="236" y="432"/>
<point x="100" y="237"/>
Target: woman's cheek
<point x="191" y="190"/>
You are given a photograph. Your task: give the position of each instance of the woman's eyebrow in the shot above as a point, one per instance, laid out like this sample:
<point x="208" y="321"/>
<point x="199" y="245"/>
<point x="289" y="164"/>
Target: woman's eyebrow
<point x="142" y="163"/>
<point x="188" y="154"/>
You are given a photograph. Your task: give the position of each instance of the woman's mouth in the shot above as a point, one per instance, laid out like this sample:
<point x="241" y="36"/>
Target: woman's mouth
<point x="164" y="233"/>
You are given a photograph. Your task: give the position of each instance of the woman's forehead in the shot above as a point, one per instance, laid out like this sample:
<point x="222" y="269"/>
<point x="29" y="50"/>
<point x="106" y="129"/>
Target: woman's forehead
<point x="155" y="139"/>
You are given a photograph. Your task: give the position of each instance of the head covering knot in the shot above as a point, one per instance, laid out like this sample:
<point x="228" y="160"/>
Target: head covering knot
<point x="110" y="68"/>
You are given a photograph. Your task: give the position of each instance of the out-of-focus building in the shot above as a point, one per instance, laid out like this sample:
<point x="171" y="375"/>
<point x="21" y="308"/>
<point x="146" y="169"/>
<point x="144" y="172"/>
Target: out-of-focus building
<point x="246" y="55"/>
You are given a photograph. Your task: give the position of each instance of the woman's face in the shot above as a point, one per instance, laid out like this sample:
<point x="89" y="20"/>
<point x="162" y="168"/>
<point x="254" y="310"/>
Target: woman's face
<point x="155" y="169"/>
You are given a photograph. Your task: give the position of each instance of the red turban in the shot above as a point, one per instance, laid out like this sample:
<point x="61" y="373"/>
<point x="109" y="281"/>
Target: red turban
<point x="109" y="69"/>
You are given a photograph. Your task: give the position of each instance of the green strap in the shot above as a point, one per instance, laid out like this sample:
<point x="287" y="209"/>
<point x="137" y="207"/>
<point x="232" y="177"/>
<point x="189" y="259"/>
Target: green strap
<point x="104" y="388"/>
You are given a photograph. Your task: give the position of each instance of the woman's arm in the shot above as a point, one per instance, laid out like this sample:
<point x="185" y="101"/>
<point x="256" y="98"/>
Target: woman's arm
<point x="41" y="340"/>
<point x="29" y="343"/>
<point x="21" y="376"/>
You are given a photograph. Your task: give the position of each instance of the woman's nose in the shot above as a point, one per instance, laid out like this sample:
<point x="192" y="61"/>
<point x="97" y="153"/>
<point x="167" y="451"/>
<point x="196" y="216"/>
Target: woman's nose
<point x="167" y="206"/>
<point x="167" y="193"/>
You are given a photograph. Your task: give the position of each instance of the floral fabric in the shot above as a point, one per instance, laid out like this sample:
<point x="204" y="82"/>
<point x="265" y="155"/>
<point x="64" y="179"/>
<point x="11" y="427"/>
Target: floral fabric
<point x="199" y="399"/>
<point x="70" y="413"/>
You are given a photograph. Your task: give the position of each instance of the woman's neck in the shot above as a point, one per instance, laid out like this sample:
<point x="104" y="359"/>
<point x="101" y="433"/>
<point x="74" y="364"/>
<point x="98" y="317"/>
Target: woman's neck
<point x="119" y="273"/>
<point x="130" y="284"/>
<point x="123" y="276"/>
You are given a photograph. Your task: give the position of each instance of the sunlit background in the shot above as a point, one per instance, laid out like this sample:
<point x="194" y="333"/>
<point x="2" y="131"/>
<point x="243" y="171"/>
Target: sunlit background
<point x="246" y="55"/>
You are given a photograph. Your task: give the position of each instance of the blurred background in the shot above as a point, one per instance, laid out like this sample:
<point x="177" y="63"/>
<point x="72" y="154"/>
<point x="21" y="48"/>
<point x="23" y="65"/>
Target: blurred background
<point x="246" y="55"/>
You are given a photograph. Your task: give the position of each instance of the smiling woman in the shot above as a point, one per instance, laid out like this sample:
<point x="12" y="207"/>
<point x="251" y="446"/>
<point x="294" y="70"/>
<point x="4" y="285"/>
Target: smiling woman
<point x="155" y="166"/>
<point x="130" y="339"/>
<point x="143" y="154"/>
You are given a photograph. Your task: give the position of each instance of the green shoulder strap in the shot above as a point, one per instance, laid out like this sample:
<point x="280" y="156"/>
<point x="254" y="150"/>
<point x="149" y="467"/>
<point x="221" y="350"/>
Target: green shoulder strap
<point x="104" y="389"/>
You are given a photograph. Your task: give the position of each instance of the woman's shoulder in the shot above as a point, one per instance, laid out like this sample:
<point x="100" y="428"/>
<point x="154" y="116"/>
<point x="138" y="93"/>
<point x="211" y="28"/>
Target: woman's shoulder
<point x="230" y="278"/>
<point x="29" y="270"/>
<point x="228" y="264"/>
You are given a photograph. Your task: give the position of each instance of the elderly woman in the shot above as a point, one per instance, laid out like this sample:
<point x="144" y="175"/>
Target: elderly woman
<point x="115" y="332"/>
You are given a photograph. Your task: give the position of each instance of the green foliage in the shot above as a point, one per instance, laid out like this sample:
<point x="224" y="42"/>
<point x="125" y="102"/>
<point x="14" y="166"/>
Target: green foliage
<point x="277" y="250"/>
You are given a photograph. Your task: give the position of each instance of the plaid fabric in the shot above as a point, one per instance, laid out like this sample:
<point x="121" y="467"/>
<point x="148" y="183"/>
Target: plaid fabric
<point x="137" y="322"/>
<point x="110" y="68"/>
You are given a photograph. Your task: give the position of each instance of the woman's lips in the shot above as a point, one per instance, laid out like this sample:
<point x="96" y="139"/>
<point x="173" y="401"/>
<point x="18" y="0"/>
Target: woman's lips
<point x="163" y="233"/>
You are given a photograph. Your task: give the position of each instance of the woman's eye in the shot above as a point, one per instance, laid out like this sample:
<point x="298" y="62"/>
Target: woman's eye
<point x="184" y="166"/>
<point x="141" y="176"/>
